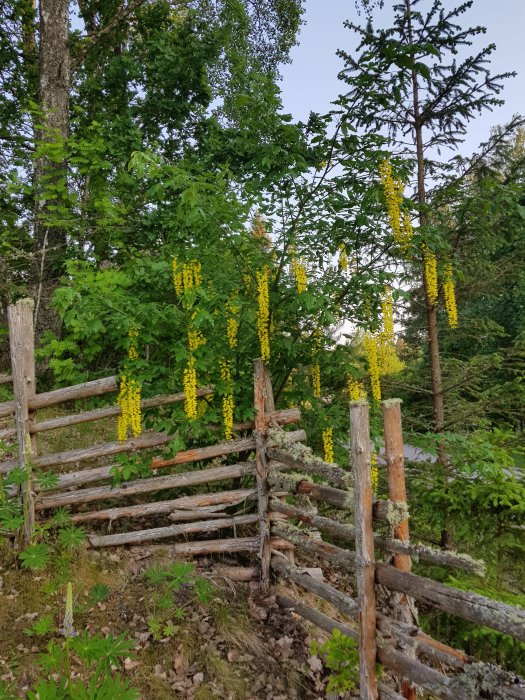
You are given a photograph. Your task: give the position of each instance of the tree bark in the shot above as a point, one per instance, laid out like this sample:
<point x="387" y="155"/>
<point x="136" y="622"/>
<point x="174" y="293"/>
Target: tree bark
<point x="50" y="171"/>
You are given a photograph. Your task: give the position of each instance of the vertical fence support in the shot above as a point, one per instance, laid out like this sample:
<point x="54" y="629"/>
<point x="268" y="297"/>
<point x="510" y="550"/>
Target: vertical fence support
<point x="262" y="399"/>
<point x="395" y="467"/>
<point x="22" y="347"/>
<point x="364" y="548"/>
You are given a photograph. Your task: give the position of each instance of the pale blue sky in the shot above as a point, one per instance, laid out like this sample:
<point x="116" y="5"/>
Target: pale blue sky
<point x="310" y="81"/>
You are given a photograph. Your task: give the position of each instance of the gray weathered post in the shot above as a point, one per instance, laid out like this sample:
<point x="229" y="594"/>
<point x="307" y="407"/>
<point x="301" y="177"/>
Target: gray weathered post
<point x="22" y="347"/>
<point x="395" y="468"/>
<point x="364" y="548"/>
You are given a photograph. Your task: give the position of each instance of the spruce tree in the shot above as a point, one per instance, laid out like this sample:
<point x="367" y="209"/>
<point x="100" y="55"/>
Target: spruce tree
<point x="415" y="82"/>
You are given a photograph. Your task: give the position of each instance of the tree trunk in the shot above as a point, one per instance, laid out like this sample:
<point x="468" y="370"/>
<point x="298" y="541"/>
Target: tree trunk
<point x="438" y="407"/>
<point x="50" y="163"/>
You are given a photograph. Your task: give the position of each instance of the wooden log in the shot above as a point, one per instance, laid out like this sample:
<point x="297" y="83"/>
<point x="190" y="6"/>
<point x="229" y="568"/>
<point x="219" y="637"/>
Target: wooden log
<point x="284" y="417"/>
<point x="156" y="483"/>
<point x="385" y="511"/>
<point x="364" y="548"/>
<point x="80" y="478"/>
<point x="261" y="387"/>
<point x="318" y="618"/>
<point x="395" y="468"/>
<point x="161" y="533"/>
<point x="434" y="682"/>
<point x="22" y="349"/>
<point x="110" y="411"/>
<point x="6" y="378"/>
<point x="97" y="387"/>
<point x="340" y="601"/>
<point x="225" y="546"/>
<point x="239" y="573"/>
<point x="412" y="636"/>
<point x="469" y="606"/>
<point x="218" y="450"/>
<point x="106" y="449"/>
<point x="347" y="532"/>
<point x="159" y="507"/>
<point x="330" y="472"/>
<point x="315" y="545"/>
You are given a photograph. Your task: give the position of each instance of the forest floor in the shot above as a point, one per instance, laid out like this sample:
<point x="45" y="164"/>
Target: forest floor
<point x="237" y="645"/>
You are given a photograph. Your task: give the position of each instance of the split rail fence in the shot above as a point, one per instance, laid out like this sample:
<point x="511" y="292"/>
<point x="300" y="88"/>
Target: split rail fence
<point x="278" y="486"/>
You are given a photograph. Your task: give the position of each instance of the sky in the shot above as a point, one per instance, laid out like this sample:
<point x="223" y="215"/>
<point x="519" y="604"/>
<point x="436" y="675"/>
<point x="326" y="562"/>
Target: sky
<point x="310" y="82"/>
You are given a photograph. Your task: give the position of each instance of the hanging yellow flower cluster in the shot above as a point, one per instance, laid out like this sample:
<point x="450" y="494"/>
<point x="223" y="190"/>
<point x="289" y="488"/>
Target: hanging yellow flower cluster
<point x="328" y="444"/>
<point x="128" y="399"/>
<point x="189" y="384"/>
<point x="374" y="471"/>
<point x="431" y="277"/>
<point x="133" y="334"/>
<point x="232" y="323"/>
<point x="186" y="276"/>
<point x="189" y="377"/>
<point x="450" y="297"/>
<point x="371" y="344"/>
<point x="389" y="363"/>
<point x="315" y="373"/>
<point x="299" y="272"/>
<point x="227" y="400"/>
<point x="263" y="314"/>
<point x="355" y="390"/>
<point x="393" y="190"/>
<point x="343" y="258"/>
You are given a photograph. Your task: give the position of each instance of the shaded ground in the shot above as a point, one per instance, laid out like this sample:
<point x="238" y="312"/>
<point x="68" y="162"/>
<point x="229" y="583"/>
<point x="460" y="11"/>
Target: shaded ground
<point x="236" y="646"/>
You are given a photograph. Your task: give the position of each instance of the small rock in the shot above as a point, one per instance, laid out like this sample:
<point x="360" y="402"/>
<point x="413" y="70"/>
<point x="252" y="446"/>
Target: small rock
<point x="233" y="655"/>
<point x="198" y="678"/>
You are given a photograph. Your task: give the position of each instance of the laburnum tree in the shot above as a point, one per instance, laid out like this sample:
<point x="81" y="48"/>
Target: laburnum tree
<point x="416" y="83"/>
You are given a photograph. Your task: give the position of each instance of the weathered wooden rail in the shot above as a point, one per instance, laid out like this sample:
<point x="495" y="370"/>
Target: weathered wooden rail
<point x="245" y="503"/>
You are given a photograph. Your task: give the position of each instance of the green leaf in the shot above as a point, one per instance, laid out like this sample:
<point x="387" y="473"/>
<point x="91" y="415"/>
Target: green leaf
<point x="36" y="556"/>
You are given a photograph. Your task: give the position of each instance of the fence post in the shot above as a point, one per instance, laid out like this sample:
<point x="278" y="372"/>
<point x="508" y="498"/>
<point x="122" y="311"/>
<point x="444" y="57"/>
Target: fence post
<point x="364" y="548"/>
<point x="262" y="399"/>
<point x="22" y="348"/>
<point x="395" y="468"/>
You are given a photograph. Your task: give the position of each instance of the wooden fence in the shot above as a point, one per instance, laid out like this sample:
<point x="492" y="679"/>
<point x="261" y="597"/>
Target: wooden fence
<point x="276" y="480"/>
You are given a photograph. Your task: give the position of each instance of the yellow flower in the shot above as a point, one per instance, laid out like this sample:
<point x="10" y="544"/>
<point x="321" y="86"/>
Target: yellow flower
<point x="387" y="308"/>
<point x="431" y="278"/>
<point x="343" y="258"/>
<point x="299" y="272"/>
<point x="355" y="390"/>
<point x="130" y="418"/>
<point x="370" y="343"/>
<point x="189" y="383"/>
<point x="450" y="297"/>
<point x="133" y="334"/>
<point x="228" y="405"/>
<point x="187" y="277"/>
<point x="328" y="444"/>
<point x="315" y="372"/>
<point x="393" y="190"/>
<point x="263" y="314"/>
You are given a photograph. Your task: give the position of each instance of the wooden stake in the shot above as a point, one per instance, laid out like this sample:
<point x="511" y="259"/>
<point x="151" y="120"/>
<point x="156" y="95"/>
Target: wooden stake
<point x="262" y="399"/>
<point x="22" y="347"/>
<point x="395" y="468"/>
<point x="364" y="548"/>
